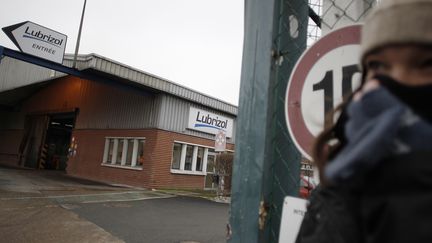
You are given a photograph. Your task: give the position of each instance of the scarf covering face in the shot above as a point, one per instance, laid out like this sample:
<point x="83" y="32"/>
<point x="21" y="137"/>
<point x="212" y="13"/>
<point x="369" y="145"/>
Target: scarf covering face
<point x="383" y="123"/>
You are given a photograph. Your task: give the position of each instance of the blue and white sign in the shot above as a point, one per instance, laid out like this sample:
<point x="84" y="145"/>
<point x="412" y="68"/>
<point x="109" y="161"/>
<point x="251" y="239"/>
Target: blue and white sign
<point x="207" y="122"/>
<point x="37" y="40"/>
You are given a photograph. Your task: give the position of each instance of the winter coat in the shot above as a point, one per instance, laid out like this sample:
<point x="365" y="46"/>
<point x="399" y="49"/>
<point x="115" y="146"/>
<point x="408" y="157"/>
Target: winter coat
<point x="395" y="204"/>
<point x="382" y="177"/>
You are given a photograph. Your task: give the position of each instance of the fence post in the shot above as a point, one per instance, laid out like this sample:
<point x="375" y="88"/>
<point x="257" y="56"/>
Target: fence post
<point x="251" y="134"/>
<point x="282" y="167"/>
<point x="275" y="36"/>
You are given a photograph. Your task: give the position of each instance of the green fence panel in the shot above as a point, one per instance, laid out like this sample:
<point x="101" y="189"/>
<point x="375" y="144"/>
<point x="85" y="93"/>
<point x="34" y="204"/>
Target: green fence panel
<point x="252" y="119"/>
<point x="282" y="169"/>
<point x="266" y="165"/>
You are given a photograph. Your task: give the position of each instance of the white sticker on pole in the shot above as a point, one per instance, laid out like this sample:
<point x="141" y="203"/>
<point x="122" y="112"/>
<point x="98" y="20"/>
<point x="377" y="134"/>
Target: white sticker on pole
<point x="293" y="212"/>
<point x="325" y="75"/>
<point x="220" y="141"/>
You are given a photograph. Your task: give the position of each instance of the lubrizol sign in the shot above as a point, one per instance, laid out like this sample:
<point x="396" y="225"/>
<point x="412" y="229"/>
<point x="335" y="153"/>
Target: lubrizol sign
<point x="207" y="122"/>
<point x="37" y="40"/>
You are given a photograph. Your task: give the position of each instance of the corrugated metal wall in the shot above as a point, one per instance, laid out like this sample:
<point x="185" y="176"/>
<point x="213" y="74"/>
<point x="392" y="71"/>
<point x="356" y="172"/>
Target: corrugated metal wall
<point x="174" y="116"/>
<point x="104" y="106"/>
<point x="111" y="106"/>
<point x="15" y="73"/>
<point x="112" y="67"/>
<point x="108" y="106"/>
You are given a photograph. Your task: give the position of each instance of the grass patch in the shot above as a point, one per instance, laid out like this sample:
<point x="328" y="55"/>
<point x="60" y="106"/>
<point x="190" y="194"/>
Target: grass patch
<point x="197" y="192"/>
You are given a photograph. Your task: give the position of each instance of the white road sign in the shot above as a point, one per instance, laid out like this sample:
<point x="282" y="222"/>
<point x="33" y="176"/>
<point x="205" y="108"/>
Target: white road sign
<point x="37" y="40"/>
<point x="323" y="77"/>
<point x="293" y="212"/>
<point x="220" y="141"/>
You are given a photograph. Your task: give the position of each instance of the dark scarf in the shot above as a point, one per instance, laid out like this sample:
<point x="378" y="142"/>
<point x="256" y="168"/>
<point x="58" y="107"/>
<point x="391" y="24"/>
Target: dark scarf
<point x="393" y="119"/>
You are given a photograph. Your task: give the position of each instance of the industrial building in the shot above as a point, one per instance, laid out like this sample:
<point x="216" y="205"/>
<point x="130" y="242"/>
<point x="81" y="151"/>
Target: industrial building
<point x="119" y="125"/>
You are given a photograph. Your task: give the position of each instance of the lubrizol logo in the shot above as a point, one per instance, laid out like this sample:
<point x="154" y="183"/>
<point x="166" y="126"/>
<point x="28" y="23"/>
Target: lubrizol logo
<point x="40" y="36"/>
<point x="208" y="122"/>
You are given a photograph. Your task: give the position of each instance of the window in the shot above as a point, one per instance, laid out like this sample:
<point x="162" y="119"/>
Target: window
<point x="130" y="148"/>
<point x="200" y="159"/>
<point x="140" y="159"/>
<point x="110" y="150"/>
<point x="119" y="152"/>
<point x="189" y="159"/>
<point x="124" y="152"/>
<point x="177" y="150"/>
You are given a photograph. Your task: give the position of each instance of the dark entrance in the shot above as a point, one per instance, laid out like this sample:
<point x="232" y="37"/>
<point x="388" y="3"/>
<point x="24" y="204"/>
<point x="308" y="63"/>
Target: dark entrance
<point x="54" y="152"/>
<point x="46" y="141"/>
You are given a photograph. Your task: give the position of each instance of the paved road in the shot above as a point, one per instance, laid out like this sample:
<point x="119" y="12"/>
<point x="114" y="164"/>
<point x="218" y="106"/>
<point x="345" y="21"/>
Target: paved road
<point x="168" y="220"/>
<point x="47" y="206"/>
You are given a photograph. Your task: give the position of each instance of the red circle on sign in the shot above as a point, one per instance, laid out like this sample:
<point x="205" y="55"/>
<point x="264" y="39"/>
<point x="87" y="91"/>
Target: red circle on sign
<point x="301" y="135"/>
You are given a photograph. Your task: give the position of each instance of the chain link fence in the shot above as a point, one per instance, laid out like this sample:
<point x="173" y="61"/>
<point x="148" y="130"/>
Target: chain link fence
<point x="296" y="33"/>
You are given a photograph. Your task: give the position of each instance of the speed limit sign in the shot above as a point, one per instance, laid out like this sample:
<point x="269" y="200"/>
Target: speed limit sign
<point x="325" y="75"/>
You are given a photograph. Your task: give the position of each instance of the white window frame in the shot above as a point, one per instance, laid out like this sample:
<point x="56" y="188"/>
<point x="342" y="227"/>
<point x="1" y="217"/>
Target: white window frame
<point x="123" y="161"/>
<point x="194" y="159"/>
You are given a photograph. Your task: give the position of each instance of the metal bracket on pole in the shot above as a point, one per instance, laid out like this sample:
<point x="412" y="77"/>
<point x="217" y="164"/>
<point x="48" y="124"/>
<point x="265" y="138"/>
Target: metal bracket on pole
<point x="315" y="17"/>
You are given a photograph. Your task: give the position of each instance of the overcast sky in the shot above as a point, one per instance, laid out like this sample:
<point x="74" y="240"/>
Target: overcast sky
<point x="195" y="43"/>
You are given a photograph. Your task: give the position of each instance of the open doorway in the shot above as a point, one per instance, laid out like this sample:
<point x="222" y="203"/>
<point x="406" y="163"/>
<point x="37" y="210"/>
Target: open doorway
<point x="54" y="151"/>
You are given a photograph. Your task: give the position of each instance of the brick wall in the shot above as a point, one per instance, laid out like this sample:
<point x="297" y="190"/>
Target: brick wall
<point x="157" y="161"/>
<point x="162" y="177"/>
<point x="89" y="157"/>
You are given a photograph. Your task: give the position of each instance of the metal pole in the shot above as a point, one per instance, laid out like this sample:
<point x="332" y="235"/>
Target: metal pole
<point x="252" y="122"/>
<point x="79" y="35"/>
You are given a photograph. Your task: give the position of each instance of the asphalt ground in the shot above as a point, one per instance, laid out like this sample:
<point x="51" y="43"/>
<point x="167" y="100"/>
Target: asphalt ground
<point x="177" y="219"/>
<point x="49" y="206"/>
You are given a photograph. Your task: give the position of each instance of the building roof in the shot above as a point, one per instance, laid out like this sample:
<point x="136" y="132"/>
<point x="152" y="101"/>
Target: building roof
<point x="111" y="67"/>
<point x="105" y="66"/>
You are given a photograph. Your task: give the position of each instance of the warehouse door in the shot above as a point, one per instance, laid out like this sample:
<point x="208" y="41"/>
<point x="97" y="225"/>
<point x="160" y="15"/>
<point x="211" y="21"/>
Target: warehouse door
<point x="54" y="153"/>
<point x="34" y="134"/>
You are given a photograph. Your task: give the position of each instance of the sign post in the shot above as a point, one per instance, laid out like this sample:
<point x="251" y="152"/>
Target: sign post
<point x="37" y="40"/>
<point x="324" y="76"/>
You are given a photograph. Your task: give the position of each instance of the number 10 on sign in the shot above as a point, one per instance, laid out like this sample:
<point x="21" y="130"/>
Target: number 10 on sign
<point x="325" y="75"/>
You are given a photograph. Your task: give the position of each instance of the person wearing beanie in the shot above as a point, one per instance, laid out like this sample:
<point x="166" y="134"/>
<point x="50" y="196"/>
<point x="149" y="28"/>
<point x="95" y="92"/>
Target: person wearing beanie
<point x="377" y="170"/>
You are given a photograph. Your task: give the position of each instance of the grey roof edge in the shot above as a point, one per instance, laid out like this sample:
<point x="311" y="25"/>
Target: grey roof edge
<point x="104" y="64"/>
<point x="36" y="82"/>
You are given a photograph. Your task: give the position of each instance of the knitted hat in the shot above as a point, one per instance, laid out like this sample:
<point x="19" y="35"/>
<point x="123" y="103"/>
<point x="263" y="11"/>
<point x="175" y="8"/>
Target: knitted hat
<point x="397" y="22"/>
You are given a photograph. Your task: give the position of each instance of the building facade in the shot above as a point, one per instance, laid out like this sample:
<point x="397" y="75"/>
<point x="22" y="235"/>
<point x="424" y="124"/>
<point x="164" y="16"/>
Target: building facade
<point x="115" y="124"/>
